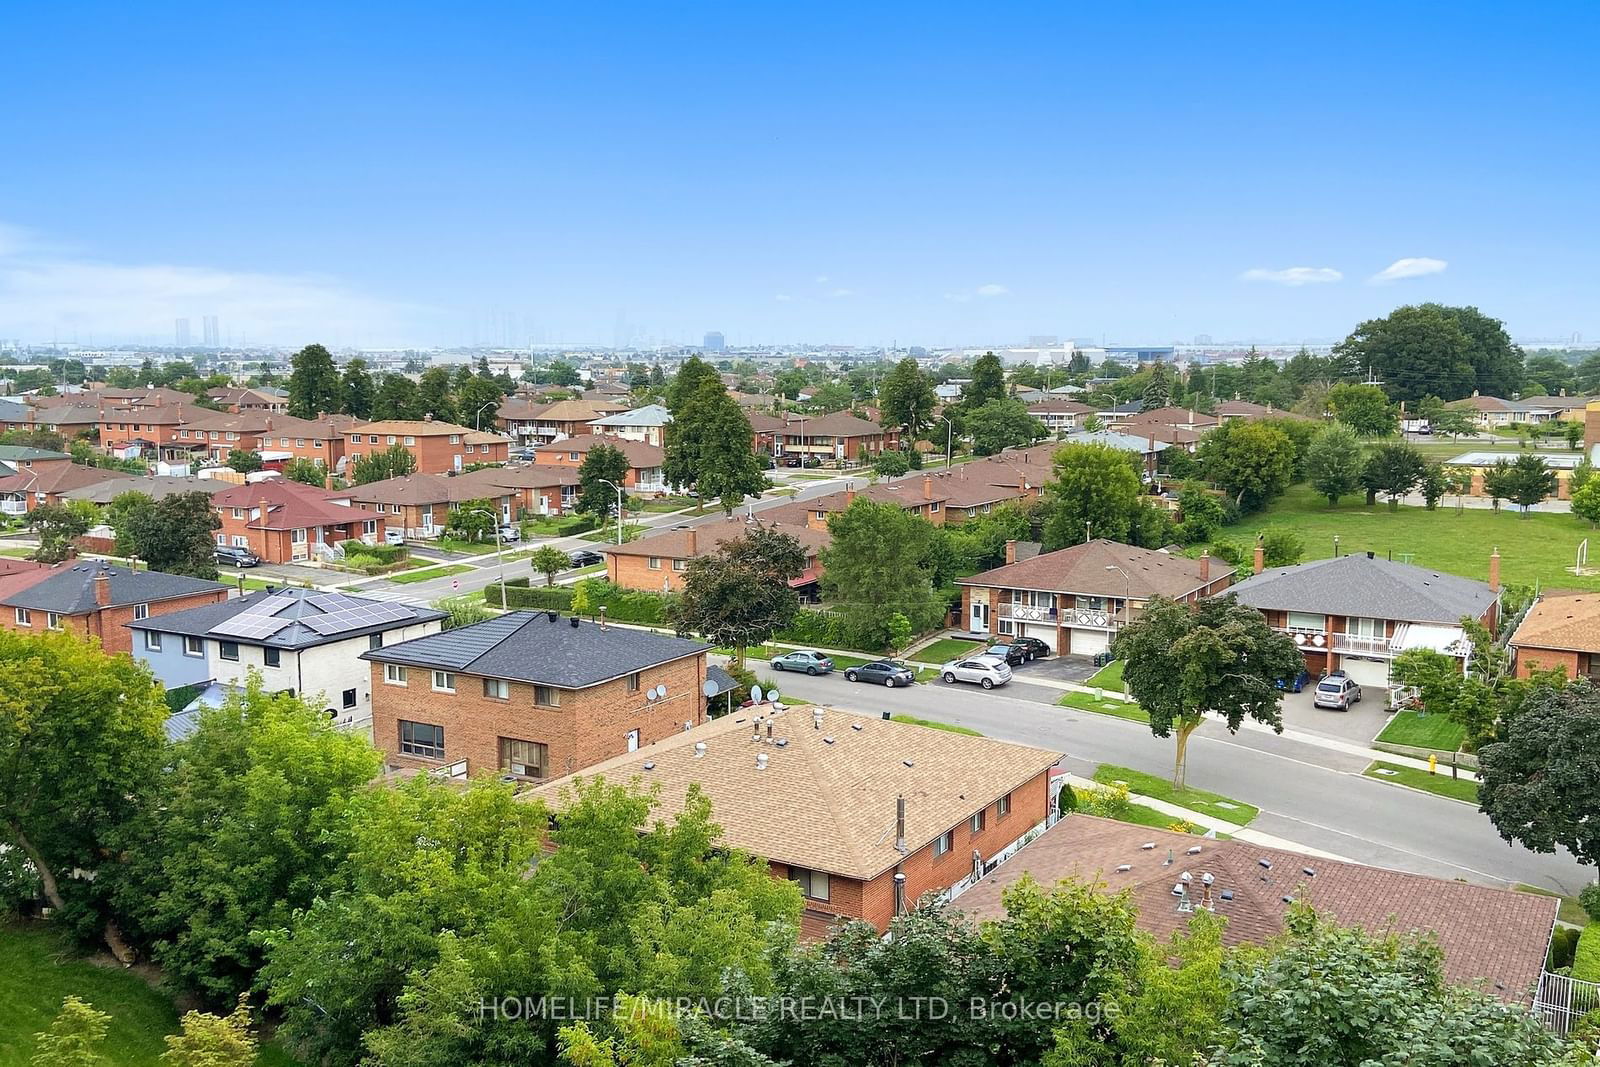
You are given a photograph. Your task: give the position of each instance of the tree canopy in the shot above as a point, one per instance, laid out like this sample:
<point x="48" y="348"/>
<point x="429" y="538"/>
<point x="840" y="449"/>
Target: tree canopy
<point x="739" y="595"/>
<point x="393" y="462"/>
<point x="603" y="464"/>
<point x="314" y="385"/>
<point x="1253" y="462"/>
<point x="1430" y="349"/>
<point x="1095" y="493"/>
<point x="875" y="566"/>
<point x="906" y="398"/>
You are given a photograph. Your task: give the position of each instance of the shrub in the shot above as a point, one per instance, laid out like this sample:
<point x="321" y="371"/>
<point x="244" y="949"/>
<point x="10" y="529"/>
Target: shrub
<point x="1108" y="802"/>
<point x="1068" y="800"/>
<point x="1586" y="959"/>
<point x="520" y="596"/>
<point x="813" y="628"/>
<point x="1590" y="900"/>
<point x="1563" y="944"/>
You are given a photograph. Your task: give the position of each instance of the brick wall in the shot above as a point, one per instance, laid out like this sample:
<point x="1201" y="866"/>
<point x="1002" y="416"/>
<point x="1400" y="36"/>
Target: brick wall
<point x="108" y="624"/>
<point x="635" y="572"/>
<point x="590" y="725"/>
<point x="1543" y="659"/>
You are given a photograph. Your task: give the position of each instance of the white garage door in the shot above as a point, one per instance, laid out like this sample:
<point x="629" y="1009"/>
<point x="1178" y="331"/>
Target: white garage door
<point x="1045" y="633"/>
<point x="1088" y="642"/>
<point x="1367" y="672"/>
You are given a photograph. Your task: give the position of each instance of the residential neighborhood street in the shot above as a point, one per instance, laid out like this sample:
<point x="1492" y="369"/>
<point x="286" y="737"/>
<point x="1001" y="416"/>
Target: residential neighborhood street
<point x="1307" y="793"/>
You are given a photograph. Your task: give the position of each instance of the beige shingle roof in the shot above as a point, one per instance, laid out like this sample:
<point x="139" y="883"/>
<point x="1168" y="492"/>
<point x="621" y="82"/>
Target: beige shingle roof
<point x="1492" y="938"/>
<point x="1083" y="569"/>
<point x="826" y="798"/>
<point x="1563" y="621"/>
<point x="691" y="542"/>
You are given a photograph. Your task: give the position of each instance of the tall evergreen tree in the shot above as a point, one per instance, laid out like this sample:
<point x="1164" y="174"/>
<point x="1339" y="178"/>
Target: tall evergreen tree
<point x="396" y="398"/>
<point x="988" y="382"/>
<point x="357" y="390"/>
<point x="314" y="385"/>
<point x="435" y="396"/>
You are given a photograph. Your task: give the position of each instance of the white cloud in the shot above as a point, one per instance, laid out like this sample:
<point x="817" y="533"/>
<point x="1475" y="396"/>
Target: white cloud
<point x="822" y="279"/>
<point x="1292" y="275"/>
<point x="1411" y="267"/>
<point x="49" y="290"/>
<point x="992" y="290"/>
<point x="783" y="298"/>
<point x="840" y="293"/>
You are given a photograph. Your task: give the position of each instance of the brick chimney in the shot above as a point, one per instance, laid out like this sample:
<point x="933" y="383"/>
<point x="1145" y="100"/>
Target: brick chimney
<point x="849" y="494"/>
<point x="1011" y="551"/>
<point x="693" y="544"/>
<point x="927" y="487"/>
<point x="1205" y="566"/>
<point x="102" y="588"/>
<point x="1494" y="569"/>
<point x="1261" y="557"/>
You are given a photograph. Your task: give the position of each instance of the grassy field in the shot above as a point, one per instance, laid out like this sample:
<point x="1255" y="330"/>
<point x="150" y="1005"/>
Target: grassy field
<point x="951" y="727"/>
<point x="429" y="574"/>
<point x="16" y="553"/>
<point x="667" y="504"/>
<point x="946" y="649"/>
<point x="1537" y="548"/>
<point x="1108" y="677"/>
<point x="1440" y="784"/>
<point x="1422" y="731"/>
<point x="1158" y="788"/>
<point x="1121" y="709"/>
<point x="40" y="971"/>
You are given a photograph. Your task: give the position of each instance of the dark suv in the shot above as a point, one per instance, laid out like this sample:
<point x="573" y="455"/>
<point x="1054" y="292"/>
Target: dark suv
<point x="234" y="556"/>
<point x="1035" y="648"/>
<point x="1013" y="653"/>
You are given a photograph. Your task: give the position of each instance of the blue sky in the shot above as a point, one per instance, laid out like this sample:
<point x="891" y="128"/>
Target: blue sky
<point x="392" y="173"/>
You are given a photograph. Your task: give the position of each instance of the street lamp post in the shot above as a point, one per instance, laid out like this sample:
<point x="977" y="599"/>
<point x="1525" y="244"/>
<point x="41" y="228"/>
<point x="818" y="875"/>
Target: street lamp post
<point x="477" y="416"/>
<point x="949" y="439"/>
<point x="499" y="550"/>
<point x="618" y="488"/>
<point x="1127" y="596"/>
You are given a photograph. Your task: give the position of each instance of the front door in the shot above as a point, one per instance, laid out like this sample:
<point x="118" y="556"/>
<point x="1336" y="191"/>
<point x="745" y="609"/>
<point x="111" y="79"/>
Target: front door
<point x="980" y="618"/>
<point x="633" y="740"/>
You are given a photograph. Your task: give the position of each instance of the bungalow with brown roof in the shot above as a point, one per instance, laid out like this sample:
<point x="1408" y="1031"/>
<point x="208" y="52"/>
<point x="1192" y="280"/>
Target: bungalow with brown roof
<point x="532" y="424"/>
<point x="283" y="521"/>
<point x="32" y="477"/>
<point x="1560" y="632"/>
<point x="1494" y="940"/>
<point x="1060" y="416"/>
<point x="420" y="504"/>
<point x="1076" y="599"/>
<point x="838" y="438"/>
<point x="864" y="814"/>
<point x="644" y="459"/>
<point x="656" y="563"/>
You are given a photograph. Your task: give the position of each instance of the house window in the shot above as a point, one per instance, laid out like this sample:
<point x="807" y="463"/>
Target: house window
<point x="52" y="620"/>
<point x="194" y="646"/>
<point x="1359" y="627"/>
<point x="680" y="564"/>
<point x="633" y="682"/>
<point x="934" y="506"/>
<point x="655" y="563"/>
<point x="1002" y="807"/>
<point x="241" y="541"/>
<point x="390" y="439"/>
<point x="1307" y="621"/>
<point x="497" y="689"/>
<point x="374" y="641"/>
<point x="455" y="439"/>
<point x="297" y="537"/>
<point x="271" y="657"/>
<point x="813" y="884"/>
<point x="525" y="759"/>
<point x="633" y="740"/>
<point x="355" y="439"/>
<point x="238" y="513"/>
<point x="369" y="527"/>
<point x="422" y="739"/>
<point x="971" y="512"/>
<point x="547" y="696"/>
<point x="349" y="697"/>
<point x="975" y="824"/>
<point x="24" y="617"/>
<point x="228" y="650"/>
<point x="444" y="682"/>
<point x="222" y="539"/>
<point x="372" y="438"/>
<point x="411" y="440"/>
<point x="152" y="641"/>
<point x="394" y="674"/>
<point x="946" y="842"/>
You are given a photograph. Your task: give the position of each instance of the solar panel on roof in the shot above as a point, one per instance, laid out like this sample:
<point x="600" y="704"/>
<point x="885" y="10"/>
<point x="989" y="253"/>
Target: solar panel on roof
<point x="250" y="626"/>
<point x="358" y="616"/>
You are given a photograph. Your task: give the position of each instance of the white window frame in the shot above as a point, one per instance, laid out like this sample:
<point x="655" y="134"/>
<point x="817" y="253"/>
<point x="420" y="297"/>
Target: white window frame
<point x="52" y="620"/>
<point x="394" y="674"/>
<point x="1002" y="807"/>
<point x="194" y="647"/>
<point x="141" y="612"/>
<point x="152" y="640"/>
<point x="444" y="681"/>
<point x="945" y="843"/>
<point x="24" y="617"/>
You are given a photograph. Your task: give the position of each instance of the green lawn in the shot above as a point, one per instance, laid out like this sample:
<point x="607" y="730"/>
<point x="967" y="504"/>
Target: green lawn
<point x="16" y="553"/>
<point x="1571" y="913"/>
<point x="668" y="504"/>
<point x="1108" y="677"/>
<point x="1159" y="788"/>
<point x="40" y="970"/>
<point x="946" y="649"/>
<point x="1140" y="815"/>
<point x="1440" y="784"/>
<point x="914" y="721"/>
<point x="429" y="574"/>
<point x="1422" y="731"/>
<point x="1537" y="548"/>
<point x="450" y="544"/>
<point x="557" y="525"/>
<point x="1122" y="709"/>
<point x="630" y="531"/>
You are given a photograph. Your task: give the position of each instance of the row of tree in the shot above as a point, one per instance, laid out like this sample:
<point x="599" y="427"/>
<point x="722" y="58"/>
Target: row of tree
<point x="469" y="396"/>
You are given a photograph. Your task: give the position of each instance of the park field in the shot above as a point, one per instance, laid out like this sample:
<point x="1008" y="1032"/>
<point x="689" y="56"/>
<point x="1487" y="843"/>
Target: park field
<point x="1536" y="549"/>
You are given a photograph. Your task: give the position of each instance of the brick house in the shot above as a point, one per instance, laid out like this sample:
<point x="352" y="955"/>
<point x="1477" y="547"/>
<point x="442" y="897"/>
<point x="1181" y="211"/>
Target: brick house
<point x="644" y="459"/>
<point x="656" y="563"/>
<point x="420" y="504"/>
<point x="531" y="423"/>
<point x="1561" y="631"/>
<point x="866" y="815"/>
<point x="1492" y="938"/>
<point x="283" y="521"/>
<point x="532" y="695"/>
<point x="1356" y="613"/>
<point x="536" y="489"/>
<point x="647" y="424"/>
<point x="1060" y="416"/>
<point x="1077" y="599"/>
<point x="438" y="447"/>
<point x="836" y="438"/>
<point x="31" y="477"/>
<point x="99" y="599"/>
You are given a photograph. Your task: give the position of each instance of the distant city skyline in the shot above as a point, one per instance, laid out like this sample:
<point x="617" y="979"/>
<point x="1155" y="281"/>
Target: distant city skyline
<point x="490" y="174"/>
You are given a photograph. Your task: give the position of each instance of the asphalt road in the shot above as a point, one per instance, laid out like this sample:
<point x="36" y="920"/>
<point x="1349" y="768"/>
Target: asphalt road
<point x="1307" y="794"/>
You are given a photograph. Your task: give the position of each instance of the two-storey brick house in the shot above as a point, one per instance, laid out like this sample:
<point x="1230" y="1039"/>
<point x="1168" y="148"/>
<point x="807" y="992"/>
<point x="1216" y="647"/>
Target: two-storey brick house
<point x="437" y="447"/>
<point x="99" y="599"/>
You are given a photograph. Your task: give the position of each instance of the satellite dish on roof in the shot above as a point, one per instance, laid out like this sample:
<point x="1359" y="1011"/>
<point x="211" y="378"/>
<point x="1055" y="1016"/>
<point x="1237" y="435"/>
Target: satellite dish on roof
<point x="661" y="690"/>
<point x="755" y="693"/>
<point x="709" y="689"/>
<point x="651" y="693"/>
<point x="772" y="695"/>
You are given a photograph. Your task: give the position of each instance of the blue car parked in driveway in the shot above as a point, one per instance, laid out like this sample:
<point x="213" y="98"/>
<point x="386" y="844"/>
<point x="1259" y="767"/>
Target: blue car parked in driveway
<point x="1295" y="684"/>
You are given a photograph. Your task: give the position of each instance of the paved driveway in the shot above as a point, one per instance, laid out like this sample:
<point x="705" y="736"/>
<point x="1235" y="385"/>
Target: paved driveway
<point x="1360" y="724"/>
<point x="1057" y="668"/>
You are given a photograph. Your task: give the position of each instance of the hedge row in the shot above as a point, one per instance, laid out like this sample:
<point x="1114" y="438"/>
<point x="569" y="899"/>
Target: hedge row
<point x="1586" y="960"/>
<point x="585" y="598"/>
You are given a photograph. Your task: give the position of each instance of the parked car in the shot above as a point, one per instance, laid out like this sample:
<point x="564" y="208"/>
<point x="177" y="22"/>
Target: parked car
<point x="1035" y="648"/>
<point x="806" y="660"/>
<point x="986" y="671"/>
<point x="583" y="557"/>
<point x="791" y="461"/>
<point x="1295" y="684"/>
<point x="886" y="672"/>
<point x="510" y="533"/>
<point x="527" y="455"/>
<point x="394" y="537"/>
<point x="1013" y="653"/>
<point x="234" y="556"/>
<point x="1337" y="691"/>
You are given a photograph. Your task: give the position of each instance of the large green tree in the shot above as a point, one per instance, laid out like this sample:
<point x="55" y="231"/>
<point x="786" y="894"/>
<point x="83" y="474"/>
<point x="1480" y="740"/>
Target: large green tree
<point x="1183" y="663"/>
<point x="603" y="464"/>
<point x="1449" y="352"/>
<point x="57" y="526"/>
<point x="473" y="520"/>
<point x="396" y="398"/>
<point x="176" y="535"/>
<point x="306" y="472"/>
<point x="1531" y="481"/>
<point x="875" y="566"/>
<point x="436" y="395"/>
<point x="1539" y="780"/>
<point x="1002" y="424"/>
<point x="906" y="398"/>
<point x="1094" y="493"/>
<point x="252" y="825"/>
<point x="1333" y="462"/>
<point x="740" y="595"/>
<point x="478" y="402"/>
<point x="1363" y="408"/>
<point x="1393" y="469"/>
<point x="691" y="377"/>
<point x="709" y="448"/>
<point x="81" y="742"/>
<point x="314" y="386"/>
<point x="392" y="462"/>
<point x="1252" y="462"/>
<point x="356" y="391"/>
<point x="988" y="382"/>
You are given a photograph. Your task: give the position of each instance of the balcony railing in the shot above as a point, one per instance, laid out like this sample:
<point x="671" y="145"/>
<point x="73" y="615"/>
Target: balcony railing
<point x="1027" y="612"/>
<point x="13" y="507"/>
<point x="1361" y="646"/>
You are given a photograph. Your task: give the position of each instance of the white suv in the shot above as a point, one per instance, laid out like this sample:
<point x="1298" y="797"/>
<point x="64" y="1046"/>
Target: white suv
<point x="987" y="671"/>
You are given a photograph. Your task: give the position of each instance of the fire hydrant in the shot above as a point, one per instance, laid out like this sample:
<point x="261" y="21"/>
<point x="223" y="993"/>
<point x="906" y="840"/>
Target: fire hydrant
<point x="1433" y="763"/>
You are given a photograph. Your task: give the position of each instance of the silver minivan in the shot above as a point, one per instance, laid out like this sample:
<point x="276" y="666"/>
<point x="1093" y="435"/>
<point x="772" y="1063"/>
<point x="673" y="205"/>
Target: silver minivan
<point x="1337" y="691"/>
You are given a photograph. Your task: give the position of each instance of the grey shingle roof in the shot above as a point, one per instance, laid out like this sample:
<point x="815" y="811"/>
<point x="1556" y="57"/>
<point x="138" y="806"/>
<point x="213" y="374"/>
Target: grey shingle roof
<point x="528" y="646"/>
<point x="1374" y="588"/>
<point x="289" y="605"/>
<point x="72" y="591"/>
